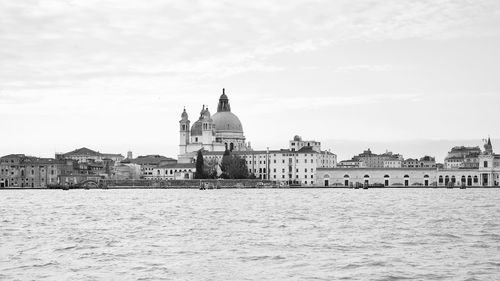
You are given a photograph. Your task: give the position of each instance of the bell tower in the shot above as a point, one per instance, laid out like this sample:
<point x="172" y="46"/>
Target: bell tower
<point x="184" y="126"/>
<point x="488" y="148"/>
<point x="207" y="129"/>
<point x="223" y="102"/>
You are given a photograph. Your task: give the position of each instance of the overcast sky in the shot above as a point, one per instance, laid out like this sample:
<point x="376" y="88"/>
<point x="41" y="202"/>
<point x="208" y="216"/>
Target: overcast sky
<point x="115" y="75"/>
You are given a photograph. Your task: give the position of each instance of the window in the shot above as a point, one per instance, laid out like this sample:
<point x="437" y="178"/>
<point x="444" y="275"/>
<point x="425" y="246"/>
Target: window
<point x="485" y="164"/>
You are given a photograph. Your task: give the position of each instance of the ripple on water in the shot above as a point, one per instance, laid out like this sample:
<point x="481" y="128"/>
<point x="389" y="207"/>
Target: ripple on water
<point x="314" y="234"/>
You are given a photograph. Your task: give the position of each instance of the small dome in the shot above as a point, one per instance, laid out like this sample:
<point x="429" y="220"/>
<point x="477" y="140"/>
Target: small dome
<point x="227" y="121"/>
<point x="206" y="113"/>
<point x="223" y="96"/>
<point x="184" y="114"/>
<point x="196" y="129"/>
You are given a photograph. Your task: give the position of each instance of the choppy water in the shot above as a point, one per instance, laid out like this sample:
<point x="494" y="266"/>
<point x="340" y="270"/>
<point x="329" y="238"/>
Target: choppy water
<point x="316" y="234"/>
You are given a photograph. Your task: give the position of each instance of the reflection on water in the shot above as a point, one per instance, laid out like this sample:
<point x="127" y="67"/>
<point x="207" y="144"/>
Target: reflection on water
<point x="384" y="234"/>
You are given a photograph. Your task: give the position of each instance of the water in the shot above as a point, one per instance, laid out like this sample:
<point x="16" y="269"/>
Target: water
<point x="304" y="234"/>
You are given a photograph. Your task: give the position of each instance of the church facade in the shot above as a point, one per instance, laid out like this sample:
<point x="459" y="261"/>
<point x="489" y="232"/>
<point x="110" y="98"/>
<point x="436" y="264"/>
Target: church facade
<point x="212" y="133"/>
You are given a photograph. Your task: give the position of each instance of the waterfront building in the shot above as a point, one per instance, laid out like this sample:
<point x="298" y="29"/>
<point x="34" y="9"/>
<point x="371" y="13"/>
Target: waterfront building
<point x="489" y="166"/>
<point x="394" y="177"/>
<point x="458" y="177"/>
<point x="217" y="132"/>
<point x="148" y="163"/>
<point x="462" y="157"/>
<point x="284" y="165"/>
<point x="21" y="171"/>
<point x="424" y="172"/>
<point x="84" y="155"/>
<point x="172" y="171"/>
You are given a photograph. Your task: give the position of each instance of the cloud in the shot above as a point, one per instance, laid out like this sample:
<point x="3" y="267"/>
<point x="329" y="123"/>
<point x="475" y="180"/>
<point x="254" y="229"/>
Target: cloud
<point x="289" y="104"/>
<point x="364" y="67"/>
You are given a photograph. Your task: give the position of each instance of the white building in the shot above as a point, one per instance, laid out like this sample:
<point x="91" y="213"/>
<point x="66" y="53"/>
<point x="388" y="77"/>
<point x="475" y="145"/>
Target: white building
<point x="217" y="132"/>
<point x="345" y="177"/>
<point x="183" y="171"/>
<point x="284" y="165"/>
<point x="488" y="174"/>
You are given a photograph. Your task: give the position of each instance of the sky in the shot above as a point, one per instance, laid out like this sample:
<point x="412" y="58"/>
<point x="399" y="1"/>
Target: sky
<point x="414" y="77"/>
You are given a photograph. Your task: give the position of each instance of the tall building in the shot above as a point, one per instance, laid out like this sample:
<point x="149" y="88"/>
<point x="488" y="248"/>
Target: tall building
<point x="217" y="132"/>
<point x="489" y="166"/>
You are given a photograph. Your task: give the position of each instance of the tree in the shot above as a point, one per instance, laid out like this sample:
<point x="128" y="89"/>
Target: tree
<point x="225" y="164"/>
<point x="233" y="167"/>
<point x="200" y="172"/>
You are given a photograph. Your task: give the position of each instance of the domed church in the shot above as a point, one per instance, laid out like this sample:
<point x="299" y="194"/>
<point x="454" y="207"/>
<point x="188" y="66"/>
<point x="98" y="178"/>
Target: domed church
<point x="217" y="132"/>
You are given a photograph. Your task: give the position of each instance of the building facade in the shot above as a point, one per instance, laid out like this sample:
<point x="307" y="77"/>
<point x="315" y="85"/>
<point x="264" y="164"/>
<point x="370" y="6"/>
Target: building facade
<point x="21" y="171"/>
<point x="423" y="172"/>
<point x="284" y="165"/>
<point x="217" y="132"/>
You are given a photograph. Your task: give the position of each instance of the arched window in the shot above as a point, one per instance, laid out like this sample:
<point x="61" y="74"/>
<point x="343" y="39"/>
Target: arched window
<point x="440" y="179"/>
<point x="231" y="146"/>
<point x="476" y="179"/>
<point x="453" y="179"/>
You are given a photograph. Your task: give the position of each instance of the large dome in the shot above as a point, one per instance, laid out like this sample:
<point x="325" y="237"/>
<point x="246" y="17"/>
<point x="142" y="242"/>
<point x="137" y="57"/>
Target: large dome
<point x="227" y="121"/>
